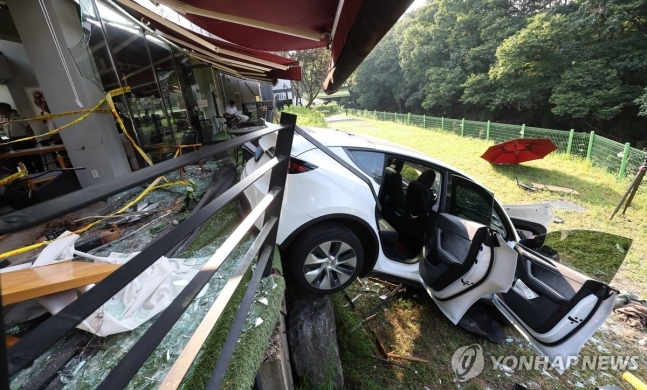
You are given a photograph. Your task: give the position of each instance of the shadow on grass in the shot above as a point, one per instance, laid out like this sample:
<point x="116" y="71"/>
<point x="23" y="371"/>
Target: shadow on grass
<point x="409" y="325"/>
<point x="591" y="192"/>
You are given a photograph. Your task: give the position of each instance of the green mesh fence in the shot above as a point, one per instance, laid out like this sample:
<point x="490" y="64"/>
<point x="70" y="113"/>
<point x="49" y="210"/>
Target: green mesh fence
<point x="607" y="153"/>
<point x="580" y="144"/>
<point x="601" y="151"/>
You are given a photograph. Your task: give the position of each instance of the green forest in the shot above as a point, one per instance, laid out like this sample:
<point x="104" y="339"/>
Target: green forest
<point x="555" y="64"/>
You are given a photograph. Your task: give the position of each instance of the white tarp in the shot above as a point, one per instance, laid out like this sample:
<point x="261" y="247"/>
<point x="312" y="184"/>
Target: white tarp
<point x="147" y="295"/>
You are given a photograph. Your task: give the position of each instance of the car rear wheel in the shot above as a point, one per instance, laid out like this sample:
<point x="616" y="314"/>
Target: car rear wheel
<point x="326" y="258"/>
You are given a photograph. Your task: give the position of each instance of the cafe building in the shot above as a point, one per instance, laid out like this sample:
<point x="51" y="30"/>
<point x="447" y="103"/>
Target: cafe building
<point x="70" y="54"/>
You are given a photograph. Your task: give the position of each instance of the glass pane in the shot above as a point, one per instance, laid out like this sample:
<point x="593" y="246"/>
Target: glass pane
<point x="171" y="92"/>
<point x="472" y="202"/>
<point x="190" y="118"/>
<point x="598" y="255"/>
<point x="134" y="68"/>
<point x="372" y="163"/>
<point x="206" y="107"/>
<point x="91" y="54"/>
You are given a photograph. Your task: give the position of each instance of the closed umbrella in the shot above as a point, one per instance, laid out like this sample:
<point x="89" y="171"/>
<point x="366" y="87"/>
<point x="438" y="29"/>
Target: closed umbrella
<point x="519" y="150"/>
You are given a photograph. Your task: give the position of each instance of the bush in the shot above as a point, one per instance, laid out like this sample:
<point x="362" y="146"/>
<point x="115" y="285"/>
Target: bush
<point x="331" y="107"/>
<point x="306" y="116"/>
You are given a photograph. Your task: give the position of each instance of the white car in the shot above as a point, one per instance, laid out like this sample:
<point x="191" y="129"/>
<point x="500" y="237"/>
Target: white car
<point x="425" y="223"/>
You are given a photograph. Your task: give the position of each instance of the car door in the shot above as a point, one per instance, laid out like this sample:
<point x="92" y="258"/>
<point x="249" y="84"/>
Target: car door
<point x="465" y="254"/>
<point x="561" y="294"/>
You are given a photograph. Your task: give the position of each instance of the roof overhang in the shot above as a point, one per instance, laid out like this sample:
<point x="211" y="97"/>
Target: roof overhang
<point x="349" y="28"/>
<point x="222" y="55"/>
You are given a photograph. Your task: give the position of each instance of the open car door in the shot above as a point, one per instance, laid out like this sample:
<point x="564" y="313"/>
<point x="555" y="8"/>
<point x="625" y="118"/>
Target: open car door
<point x="464" y="259"/>
<point x="561" y="293"/>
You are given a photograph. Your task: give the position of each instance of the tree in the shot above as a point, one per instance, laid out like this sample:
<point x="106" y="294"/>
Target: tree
<point x="547" y="63"/>
<point x="379" y="81"/>
<point x="584" y="62"/>
<point x="449" y="41"/>
<point x="314" y="70"/>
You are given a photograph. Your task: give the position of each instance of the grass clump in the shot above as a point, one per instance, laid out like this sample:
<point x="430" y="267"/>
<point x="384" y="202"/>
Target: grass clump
<point x="327" y="108"/>
<point x="306" y="116"/>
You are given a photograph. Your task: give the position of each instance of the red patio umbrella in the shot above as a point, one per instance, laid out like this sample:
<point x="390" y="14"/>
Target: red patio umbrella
<point x="519" y="150"/>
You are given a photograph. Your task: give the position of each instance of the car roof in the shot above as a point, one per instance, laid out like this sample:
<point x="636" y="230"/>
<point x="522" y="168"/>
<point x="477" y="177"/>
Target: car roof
<point x="340" y="138"/>
<point x="345" y="139"/>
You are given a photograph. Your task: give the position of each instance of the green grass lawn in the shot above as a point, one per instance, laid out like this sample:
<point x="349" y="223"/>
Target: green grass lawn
<point x="411" y="324"/>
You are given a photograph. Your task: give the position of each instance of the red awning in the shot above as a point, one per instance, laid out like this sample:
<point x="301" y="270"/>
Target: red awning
<point x="311" y="16"/>
<point x="229" y="51"/>
<point x="356" y="26"/>
<point x="253" y="63"/>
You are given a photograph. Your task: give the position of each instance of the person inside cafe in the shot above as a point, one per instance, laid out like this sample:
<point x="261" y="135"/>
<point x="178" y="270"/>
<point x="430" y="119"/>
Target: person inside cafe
<point x="230" y="112"/>
<point x="19" y="130"/>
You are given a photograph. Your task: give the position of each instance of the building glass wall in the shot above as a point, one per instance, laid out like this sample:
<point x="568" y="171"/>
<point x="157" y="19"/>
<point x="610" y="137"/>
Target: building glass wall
<point x="170" y="91"/>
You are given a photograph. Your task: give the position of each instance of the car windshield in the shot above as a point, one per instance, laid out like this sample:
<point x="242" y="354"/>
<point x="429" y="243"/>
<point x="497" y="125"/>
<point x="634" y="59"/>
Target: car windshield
<point x="596" y="254"/>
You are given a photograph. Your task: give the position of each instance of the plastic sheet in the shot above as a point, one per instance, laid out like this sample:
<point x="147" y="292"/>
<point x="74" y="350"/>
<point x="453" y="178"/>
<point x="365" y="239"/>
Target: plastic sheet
<point x="150" y="375"/>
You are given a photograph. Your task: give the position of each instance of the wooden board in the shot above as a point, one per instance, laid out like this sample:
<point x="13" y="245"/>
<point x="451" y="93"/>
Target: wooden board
<point x="10" y="341"/>
<point x="36" y="282"/>
<point x="555" y="188"/>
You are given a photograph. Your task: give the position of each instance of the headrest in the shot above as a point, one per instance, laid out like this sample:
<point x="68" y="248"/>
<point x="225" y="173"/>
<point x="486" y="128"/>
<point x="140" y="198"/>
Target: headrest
<point x="427" y="177"/>
<point x="397" y="165"/>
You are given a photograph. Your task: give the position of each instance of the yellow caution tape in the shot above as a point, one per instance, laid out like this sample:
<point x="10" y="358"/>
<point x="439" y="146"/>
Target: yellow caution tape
<point x="109" y="95"/>
<point x="148" y="189"/>
<point x="13" y="177"/>
<point x="113" y="110"/>
<point x="52" y="116"/>
<point x="123" y="128"/>
<point x="635" y="382"/>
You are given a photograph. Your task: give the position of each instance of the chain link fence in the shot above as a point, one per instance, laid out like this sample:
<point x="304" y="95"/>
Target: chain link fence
<point x="620" y="159"/>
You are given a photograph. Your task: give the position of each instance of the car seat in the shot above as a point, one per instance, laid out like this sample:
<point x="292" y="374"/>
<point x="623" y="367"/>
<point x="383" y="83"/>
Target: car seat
<point x="392" y="194"/>
<point x="420" y="199"/>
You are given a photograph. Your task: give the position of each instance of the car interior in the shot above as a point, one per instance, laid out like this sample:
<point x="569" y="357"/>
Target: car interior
<point x="544" y="291"/>
<point x="557" y="290"/>
<point x="559" y="271"/>
<point x="408" y="196"/>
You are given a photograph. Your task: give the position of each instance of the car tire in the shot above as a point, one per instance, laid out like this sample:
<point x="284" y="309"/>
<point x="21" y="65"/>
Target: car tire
<point x="326" y="258"/>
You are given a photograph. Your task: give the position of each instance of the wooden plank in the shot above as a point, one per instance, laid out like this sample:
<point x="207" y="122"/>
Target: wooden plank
<point x="555" y="188"/>
<point x="36" y="282"/>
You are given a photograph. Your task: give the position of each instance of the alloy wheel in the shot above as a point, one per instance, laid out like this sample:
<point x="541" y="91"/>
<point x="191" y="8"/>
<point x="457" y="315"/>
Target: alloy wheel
<point x="329" y="265"/>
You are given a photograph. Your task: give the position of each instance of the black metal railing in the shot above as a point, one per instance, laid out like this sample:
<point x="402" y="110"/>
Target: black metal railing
<point x="40" y="339"/>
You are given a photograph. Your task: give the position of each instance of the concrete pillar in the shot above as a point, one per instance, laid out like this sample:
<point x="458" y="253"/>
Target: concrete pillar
<point x="48" y="28"/>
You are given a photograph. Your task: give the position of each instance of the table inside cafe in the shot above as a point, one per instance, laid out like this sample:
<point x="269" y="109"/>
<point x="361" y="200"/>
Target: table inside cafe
<point x="32" y="151"/>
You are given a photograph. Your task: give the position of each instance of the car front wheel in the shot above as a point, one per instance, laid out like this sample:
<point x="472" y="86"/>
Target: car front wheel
<point x="326" y="258"/>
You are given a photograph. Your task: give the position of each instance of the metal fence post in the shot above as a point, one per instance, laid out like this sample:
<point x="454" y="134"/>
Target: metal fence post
<point x="523" y="130"/>
<point x="409" y="118"/>
<point x="570" y="141"/>
<point x="384" y="115"/>
<point x="424" y="121"/>
<point x="590" y="149"/>
<point x="396" y="117"/>
<point x="462" y="127"/>
<point x="278" y="177"/>
<point x="487" y="131"/>
<point x="625" y="157"/>
<point x="375" y="114"/>
<point x="442" y="123"/>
